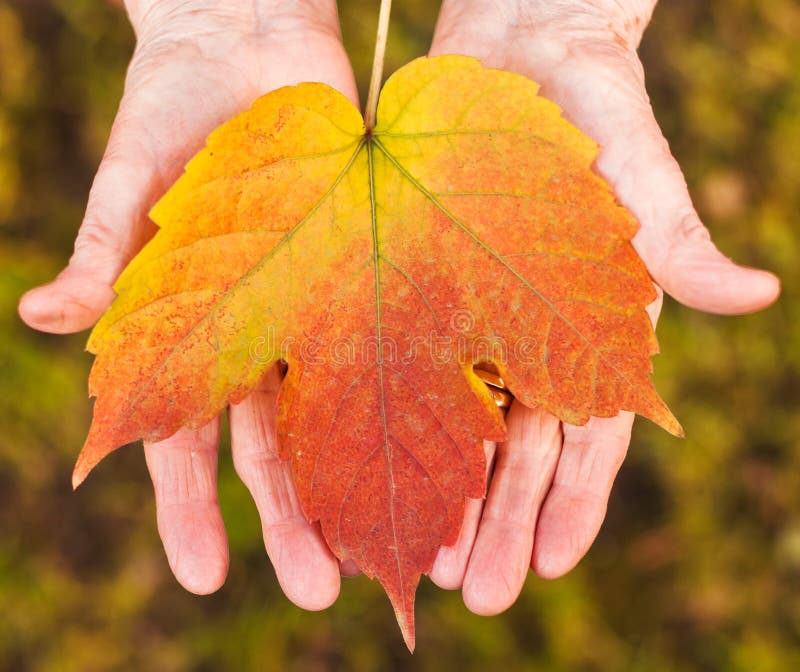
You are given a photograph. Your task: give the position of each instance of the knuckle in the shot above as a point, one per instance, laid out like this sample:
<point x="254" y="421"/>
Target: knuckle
<point x="689" y="228"/>
<point x="115" y="214"/>
<point x="187" y="480"/>
<point x="96" y="238"/>
<point x="643" y="144"/>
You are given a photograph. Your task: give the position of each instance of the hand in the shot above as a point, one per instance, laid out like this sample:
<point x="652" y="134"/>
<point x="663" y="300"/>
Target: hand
<point x="196" y="65"/>
<point x="551" y="482"/>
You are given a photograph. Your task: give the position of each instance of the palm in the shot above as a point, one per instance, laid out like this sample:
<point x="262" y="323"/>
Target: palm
<point x="189" y="74"/>
<point x="551" y="483"/>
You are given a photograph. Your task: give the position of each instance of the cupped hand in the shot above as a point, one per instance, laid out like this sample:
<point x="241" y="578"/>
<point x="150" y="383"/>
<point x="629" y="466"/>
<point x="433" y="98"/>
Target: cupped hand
<point x="196" y="65"/>
<point x="551" y="481"/>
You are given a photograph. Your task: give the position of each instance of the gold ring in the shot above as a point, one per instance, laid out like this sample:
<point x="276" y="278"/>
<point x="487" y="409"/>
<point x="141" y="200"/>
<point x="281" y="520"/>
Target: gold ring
<point x="489" y="374"/>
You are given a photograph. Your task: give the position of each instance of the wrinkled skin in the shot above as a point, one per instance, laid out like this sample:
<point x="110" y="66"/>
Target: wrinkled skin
<point x="197" y="64"/>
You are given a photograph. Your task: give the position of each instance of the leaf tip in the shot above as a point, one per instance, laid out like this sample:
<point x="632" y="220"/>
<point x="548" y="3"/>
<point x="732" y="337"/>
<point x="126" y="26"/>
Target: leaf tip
<point x="403" y="605"/>
<point x="674" y="427"/>
<point x="89" y="457"/>
<point x="79" y="474"/>
<point x="664" y="418"/>
<point x="406" y="623"/>
<point x="655" y="409"/>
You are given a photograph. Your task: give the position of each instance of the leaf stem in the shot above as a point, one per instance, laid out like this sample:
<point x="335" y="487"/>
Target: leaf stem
<point x="377" y="65"/>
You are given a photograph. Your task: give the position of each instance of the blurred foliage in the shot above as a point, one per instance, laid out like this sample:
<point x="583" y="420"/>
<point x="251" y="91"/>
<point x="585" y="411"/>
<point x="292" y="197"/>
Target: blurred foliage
<point x="698" y="564"/>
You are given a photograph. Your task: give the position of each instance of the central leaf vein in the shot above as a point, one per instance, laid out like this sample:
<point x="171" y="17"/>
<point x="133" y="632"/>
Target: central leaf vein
<point x="376" y="255"/>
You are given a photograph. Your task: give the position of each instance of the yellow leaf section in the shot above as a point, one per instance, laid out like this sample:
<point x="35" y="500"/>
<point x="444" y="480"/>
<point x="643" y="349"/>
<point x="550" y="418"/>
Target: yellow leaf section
<point x="222" y="273"/>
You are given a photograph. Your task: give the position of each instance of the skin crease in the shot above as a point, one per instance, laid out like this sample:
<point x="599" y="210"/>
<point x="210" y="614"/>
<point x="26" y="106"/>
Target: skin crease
<point x="197" y="64"/>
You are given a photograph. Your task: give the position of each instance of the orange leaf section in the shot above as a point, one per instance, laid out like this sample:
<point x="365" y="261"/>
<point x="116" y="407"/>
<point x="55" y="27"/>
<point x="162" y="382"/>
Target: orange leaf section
<point x="467" y="226"/>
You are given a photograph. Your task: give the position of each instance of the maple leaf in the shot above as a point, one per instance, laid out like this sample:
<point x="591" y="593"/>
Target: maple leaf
<point x="382" y="265"/>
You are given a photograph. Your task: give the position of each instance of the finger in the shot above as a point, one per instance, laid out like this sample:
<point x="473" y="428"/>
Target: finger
<point x="184" y="473"/>
<point x="114" y="227"/>
<point x="307" y="571"/>
<point x="599" y="85"/>
<point x="348" y="569"/>
<point x="606" y="98"/>
<point x="523" y="472"/>
<point x="154" y="134"/>
<point x="450" y="565"/>
<point x="576" y="503"/>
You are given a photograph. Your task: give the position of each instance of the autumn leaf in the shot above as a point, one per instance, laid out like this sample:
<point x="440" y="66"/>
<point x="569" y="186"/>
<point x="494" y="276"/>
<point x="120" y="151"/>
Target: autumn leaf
<point x="382" y="265"/>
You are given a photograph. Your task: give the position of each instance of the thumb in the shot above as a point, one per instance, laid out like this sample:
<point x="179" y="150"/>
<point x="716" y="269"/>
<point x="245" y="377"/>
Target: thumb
<point x="690" y="268"/>
<point x="607" y="100"/>
<point x="114" y="228"/>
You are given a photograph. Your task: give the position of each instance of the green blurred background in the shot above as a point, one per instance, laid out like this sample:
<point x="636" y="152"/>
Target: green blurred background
<point x="698" y="564"/>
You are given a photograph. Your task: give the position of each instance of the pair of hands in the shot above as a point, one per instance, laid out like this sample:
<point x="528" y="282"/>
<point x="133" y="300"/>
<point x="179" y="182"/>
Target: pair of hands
<point x="199" y="63"/>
